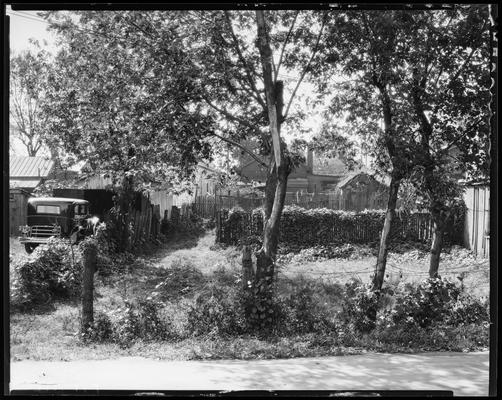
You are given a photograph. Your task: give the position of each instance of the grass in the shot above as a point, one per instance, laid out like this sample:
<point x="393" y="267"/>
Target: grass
<point x="410" y="266"/>
<point x="53" y="334"/>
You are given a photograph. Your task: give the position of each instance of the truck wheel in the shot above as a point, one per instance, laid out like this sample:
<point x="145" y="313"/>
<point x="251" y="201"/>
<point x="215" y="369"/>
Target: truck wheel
<point x="30" y="247"/>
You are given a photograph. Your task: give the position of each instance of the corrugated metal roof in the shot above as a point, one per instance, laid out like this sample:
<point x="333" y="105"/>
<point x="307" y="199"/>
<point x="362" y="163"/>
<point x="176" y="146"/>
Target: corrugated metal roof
<point x="27" y="167"/>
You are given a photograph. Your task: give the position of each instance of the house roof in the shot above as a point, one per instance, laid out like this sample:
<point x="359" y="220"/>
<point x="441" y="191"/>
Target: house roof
<point x="29" y="167"/>
<point x="350" y="176"/>
<point x="24" y="183"/>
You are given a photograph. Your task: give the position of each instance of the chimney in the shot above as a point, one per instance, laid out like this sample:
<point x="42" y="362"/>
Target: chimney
<point x="309" y="160"/>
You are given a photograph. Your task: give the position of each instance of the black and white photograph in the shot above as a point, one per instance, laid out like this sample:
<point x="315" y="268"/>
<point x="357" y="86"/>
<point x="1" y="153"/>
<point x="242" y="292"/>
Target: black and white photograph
<point x="250" y="199"/>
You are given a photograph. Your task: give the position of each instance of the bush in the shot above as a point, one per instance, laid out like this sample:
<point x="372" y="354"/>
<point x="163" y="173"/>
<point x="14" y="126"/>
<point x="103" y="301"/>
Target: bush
<point x="217" y="310"/>
<point x="360" y="306"/>
<point x="306" y="311"/>
<point x="193" y="226"/>
<point x="52" y="272"/>
<point x="431" y="300"/>
<point x="101" y="329"/>
<point x="140" y="320"/>
<point x="182" y="279"/>
<point x="468" y="310"/>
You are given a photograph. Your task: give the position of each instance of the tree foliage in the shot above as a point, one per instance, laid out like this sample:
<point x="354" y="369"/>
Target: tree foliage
<point x="120" y="98"/>
<point x="27" y="91"/>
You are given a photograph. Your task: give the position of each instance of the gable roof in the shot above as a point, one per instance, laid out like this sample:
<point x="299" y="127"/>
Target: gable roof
<point x="352" y="175"/>
<point x="347" y="179"/>
<point x="29" y="167"/>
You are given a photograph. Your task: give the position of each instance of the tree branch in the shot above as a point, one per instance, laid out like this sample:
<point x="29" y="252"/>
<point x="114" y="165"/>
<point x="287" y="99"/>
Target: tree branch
<point x="240" y="146"/>
<point x="230" y="115"/>
<point x="284" y="46"/>
<point x="243" y="61"/>
<point x="467" y="130"/>
<point x="305" y="69"/>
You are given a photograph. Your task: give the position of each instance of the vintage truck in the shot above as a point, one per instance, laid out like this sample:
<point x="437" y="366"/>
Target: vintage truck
<point x="56" y="217"/>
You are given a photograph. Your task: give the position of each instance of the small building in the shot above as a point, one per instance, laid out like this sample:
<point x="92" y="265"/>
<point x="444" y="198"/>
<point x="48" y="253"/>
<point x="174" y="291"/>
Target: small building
<point x="27" y="173"/>
<point x="18" y="203"/>
<point x="313" y="176"/>
<point x="358" y="191"/>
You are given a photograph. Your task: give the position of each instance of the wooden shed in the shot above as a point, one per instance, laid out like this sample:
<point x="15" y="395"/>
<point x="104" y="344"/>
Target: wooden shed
<point x="18" y="200"/>
<point x="359" y="191"/>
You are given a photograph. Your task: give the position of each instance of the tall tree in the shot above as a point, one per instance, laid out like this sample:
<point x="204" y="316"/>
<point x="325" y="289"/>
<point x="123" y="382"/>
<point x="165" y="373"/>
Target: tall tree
<point x="27" y="87"/>
<point x="123" y="105"/>
<point x="448" y="86"/>
<point x="430" y="70"/>
<point x="243" y="89"/>
<point x="365" y="47"/>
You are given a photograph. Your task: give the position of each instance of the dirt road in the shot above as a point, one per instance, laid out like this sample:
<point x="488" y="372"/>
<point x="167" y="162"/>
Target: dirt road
<point x="466" y="374"/>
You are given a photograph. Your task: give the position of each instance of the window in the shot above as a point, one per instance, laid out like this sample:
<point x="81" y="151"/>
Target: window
<point x="48" y="209"/>
<point x="80" y="209"/>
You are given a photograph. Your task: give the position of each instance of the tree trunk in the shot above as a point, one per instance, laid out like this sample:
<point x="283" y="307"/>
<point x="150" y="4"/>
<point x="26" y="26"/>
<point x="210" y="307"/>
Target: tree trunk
<point x="89" y="251"/>
<point x="439" y="221"/>
<point x="279" y="170"/>
<point x="385" y="237"/>
<point x="265" y="257"/>
<point x="124" y="216"/>
<point x="436" y="247"/>
<point x="247" y="268"/>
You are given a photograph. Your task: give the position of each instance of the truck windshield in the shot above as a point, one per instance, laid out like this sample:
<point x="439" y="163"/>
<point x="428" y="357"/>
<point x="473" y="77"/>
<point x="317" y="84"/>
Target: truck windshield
<point x="48" y="209"/>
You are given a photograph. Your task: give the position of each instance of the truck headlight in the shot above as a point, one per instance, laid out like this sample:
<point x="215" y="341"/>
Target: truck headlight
<point x="24" y="229"/>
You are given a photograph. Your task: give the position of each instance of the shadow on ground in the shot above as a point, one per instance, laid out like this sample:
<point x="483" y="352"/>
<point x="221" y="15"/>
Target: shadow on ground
<point x="464" y="374"/>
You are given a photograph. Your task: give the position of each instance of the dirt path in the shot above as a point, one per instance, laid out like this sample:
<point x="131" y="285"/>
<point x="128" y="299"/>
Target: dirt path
<point x="466" y="374"/>
<point x="202" y="254"/>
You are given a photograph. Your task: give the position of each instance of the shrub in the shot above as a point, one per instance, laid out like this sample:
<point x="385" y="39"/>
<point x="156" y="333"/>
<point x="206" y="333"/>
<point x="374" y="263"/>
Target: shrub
<point x="52" y="272"/>
<point x="468" y="310"/>
<point x="431" y="300"/>
<point x="140" y="320"/>
<point x="216" y="309"/>
<point x="360" y="306"/>
<point x="306" y="312"/>
<point x="182" y="279"/>
<point x="101" y="329"/>
<point x="192" y="226"/>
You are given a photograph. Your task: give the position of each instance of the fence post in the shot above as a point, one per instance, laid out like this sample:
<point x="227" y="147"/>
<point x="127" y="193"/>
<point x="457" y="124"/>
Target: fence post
<point x="89" y="251"/>
<point x="247" y="267"/>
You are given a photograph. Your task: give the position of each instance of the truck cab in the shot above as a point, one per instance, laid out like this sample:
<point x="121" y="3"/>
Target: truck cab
<point x="54" y="217"/>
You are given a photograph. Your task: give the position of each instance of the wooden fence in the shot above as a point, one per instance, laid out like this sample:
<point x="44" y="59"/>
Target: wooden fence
<point x="477" y="223"/>
<point x="18" y="200"/>
<point x="412" y="227"/>
<point x="208" y="206"/>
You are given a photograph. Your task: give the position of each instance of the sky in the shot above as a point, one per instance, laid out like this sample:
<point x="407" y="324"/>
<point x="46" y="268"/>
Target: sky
<point x="23" y="26"/>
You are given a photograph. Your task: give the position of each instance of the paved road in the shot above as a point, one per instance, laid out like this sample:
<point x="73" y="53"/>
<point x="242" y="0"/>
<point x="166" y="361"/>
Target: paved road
<point x="464" y="373"/>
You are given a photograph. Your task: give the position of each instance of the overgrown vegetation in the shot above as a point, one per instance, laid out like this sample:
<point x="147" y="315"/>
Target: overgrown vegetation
<point x="433" y="315"/>
<point x="200" y="312"/>
<point x="52" y="273"/>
